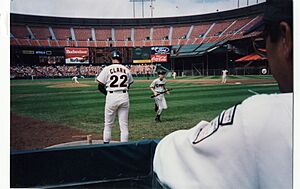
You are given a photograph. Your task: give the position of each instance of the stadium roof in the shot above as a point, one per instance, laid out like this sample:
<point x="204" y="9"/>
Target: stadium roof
<point x="47" y="20"/>
<point x="124" y="8"/>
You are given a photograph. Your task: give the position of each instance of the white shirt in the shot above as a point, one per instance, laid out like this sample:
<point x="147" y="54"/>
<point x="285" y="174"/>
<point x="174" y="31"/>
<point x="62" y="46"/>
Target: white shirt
<point x="248" y="146"/>
<point x="115" y="77"/>
<point x="224" y="72"/>
<point x="158" y="85"/>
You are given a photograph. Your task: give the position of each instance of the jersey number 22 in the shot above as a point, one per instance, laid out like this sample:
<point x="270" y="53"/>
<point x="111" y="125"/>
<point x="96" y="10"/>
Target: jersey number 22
<point x="115" y="80"/>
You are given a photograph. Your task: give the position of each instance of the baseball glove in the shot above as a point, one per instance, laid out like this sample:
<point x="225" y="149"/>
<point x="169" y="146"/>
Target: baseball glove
<point x="102" y="89"/>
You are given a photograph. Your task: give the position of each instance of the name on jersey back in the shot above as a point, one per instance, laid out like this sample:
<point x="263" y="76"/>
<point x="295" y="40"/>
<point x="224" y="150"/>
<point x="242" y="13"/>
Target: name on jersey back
<point x="115" y="70"/>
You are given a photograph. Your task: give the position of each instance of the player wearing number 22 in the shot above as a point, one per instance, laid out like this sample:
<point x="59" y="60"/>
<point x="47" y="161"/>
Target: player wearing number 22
<point x="114" y="81"/>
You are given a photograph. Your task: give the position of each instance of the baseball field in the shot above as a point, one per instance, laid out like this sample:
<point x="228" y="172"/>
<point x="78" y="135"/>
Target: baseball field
<point x="45" y="112"/>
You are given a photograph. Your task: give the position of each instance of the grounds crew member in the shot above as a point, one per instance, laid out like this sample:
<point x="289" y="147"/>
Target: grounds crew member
<point x="158" y="87"/>
<point x="249" y="145"/>
<point x="114" y="82"/>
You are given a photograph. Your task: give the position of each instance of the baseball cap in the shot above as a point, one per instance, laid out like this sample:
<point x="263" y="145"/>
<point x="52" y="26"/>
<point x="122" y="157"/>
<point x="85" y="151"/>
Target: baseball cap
<point x="275" y="11"/>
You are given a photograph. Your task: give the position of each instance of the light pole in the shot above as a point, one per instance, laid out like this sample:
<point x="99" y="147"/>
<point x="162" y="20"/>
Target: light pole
<point x="151" y="8"/>
<point x="143" y="7"/>
<point x="133" y="6"/>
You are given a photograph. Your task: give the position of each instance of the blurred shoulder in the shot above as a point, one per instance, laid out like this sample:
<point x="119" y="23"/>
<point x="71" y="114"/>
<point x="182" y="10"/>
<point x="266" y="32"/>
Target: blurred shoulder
<point x="268" y="101"/>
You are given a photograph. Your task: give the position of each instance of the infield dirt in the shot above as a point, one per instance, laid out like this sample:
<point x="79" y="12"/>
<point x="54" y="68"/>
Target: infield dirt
<point x="27" y="133"/>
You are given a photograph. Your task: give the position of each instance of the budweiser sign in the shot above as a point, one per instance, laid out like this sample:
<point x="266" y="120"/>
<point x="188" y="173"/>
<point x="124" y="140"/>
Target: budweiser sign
<point x="77" y="55"/>
<point x="79" y="51"/>
<point x="159" y="58"/>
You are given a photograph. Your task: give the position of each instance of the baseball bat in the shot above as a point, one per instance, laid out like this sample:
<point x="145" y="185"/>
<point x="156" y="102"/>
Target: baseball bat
<point x="167" y="90"/>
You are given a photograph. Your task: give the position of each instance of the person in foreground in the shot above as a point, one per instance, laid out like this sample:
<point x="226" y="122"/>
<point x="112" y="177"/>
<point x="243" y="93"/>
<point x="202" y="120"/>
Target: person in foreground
<point x="250" y="144"/>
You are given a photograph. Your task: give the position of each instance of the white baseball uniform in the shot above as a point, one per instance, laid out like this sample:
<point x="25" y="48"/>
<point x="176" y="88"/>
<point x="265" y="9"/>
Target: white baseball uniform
<point x="174" y="75"/>
<point x="75" y="79"/>
<point x="117" y="79"/>
<point x="159" y="86"/>
<point x="247" y="146"/>
<point x="224" y="76"/>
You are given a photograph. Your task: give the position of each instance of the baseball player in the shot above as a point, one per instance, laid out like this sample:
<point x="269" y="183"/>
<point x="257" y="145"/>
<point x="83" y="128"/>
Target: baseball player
<point x="250" y="144"/>
<point x="174" y="75"/>
<point x="158" y="87"/>
<point x="74" y="79"/>
<point x="114" y="82"/>
<point x="224" y="76"/>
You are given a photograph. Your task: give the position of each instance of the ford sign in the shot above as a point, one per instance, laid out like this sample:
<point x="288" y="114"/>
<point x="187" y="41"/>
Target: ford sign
<point x="160" y="50"/>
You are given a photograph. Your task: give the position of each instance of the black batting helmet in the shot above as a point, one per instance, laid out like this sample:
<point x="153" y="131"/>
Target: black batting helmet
<point x="116" y="55"/>
<point x="161" y="72"/>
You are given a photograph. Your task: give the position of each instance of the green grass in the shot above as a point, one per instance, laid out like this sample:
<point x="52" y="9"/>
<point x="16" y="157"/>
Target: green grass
<point x="83" y="107"/>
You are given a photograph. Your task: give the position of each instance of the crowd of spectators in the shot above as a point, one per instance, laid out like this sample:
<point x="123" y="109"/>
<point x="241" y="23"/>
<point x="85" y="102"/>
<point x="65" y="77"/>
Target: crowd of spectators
<point x="70" y="71"/>
<point x="142" y="69"/>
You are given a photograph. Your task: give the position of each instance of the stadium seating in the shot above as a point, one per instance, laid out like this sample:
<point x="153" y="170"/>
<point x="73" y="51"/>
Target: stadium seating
<point x="62" y="43"/>
<point x="82" y="43"/>
<point x="45" y="43"/>
<point x="62" y="33"/>
<point x="19" y="31"/>
<point x="238" y="25"/>
<point x="40" y="32"/>
<point x="35" y="43"/>
<point x="122" y="34"/>
<point x="141" y="34"/>
<point x="83" y="34"/>
<point x="157" y="42"/>
<point x="156" y="35"/>
<point x="13" y="41"/>
<point x="24" y="42"/>
<point x="160" y="33"/>
<point x="53" y="43"/>
<point x="103" y="34"/>
<point x="199" y="30"/>
<point x="250" y="24"/>
<point x="180" y="32"/>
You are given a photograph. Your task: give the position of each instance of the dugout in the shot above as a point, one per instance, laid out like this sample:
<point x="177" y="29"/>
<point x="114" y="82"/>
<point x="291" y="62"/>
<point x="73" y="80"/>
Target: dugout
<point x="117" y="165"/>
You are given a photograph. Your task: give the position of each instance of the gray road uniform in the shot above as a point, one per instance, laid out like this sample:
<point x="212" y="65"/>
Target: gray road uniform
<point x="117" y="79"/>
<point x="247" y="146"/>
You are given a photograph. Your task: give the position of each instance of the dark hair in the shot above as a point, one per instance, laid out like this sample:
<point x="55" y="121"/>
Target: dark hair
<point x="274" y="30"/>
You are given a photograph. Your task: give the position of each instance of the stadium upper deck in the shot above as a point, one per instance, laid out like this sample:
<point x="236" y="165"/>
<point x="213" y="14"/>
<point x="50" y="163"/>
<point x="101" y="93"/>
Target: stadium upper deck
<point x="27" y="30"/>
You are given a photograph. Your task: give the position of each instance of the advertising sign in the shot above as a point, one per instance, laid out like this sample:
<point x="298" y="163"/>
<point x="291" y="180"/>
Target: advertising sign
<point x="141" y="61"/>
<point x="76" y="55"/>
<point x="141" y="55"/>
<point x="161" y="50"/>
<point x="159" y="58"/>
